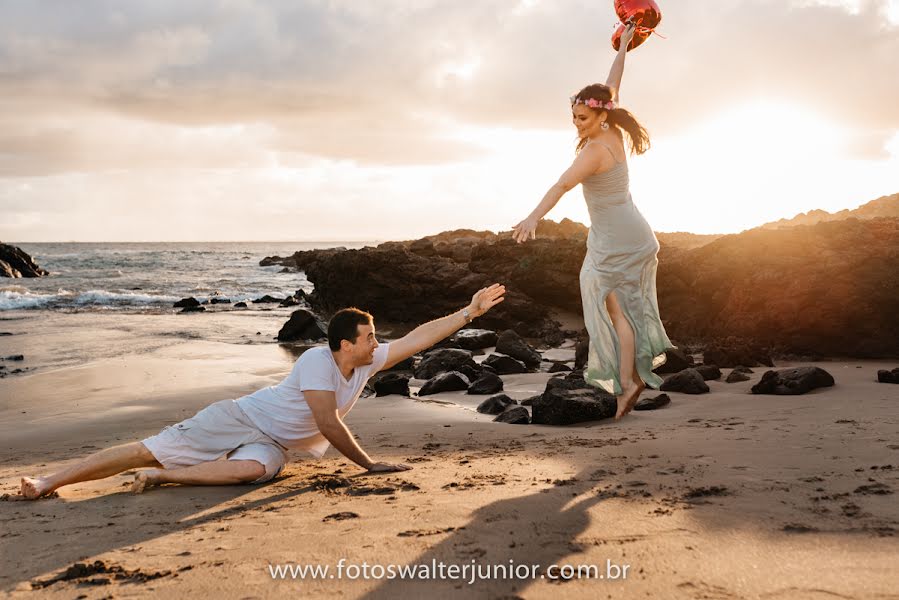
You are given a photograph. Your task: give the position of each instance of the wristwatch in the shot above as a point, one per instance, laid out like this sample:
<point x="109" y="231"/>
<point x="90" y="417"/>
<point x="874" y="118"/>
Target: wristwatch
<point x="467" y="315"/>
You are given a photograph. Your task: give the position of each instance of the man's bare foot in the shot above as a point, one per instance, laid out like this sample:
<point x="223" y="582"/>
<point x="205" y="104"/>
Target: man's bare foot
<point x="35" y="487"/>
<point x="628" y="398"/>
<point x="144" y="479"/>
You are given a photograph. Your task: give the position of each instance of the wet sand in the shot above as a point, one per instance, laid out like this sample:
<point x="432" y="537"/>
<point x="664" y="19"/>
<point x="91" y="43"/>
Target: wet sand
<point x="723" y="495"/>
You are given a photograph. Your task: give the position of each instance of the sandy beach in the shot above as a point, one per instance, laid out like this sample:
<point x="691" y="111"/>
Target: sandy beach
<point x="722" y="495"/>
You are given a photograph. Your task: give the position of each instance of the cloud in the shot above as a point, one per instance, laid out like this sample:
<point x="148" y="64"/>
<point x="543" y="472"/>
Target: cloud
<point x="385" y="83"/>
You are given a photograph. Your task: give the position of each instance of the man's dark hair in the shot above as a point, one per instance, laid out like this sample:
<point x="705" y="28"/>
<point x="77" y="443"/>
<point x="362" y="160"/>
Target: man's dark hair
<point x="344" y="326"/>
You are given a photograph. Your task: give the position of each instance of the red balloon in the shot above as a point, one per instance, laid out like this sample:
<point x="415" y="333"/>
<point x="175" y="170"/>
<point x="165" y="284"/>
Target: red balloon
<point x="639" y="38"/>
<point x="645" y="13"/>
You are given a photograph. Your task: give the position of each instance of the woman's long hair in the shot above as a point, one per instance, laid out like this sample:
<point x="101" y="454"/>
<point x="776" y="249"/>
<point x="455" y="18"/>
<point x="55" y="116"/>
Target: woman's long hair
<point x="637" y="136"/>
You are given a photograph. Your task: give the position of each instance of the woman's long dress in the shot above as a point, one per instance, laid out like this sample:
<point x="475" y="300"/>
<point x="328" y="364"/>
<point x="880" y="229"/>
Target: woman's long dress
<point x="621" y="258"/>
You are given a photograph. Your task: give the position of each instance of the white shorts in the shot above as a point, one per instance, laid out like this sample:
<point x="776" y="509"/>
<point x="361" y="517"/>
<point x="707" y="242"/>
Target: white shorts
<point x="220" y="429"/>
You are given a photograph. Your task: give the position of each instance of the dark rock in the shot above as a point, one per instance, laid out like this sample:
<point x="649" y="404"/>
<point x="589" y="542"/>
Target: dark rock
<point x="186" y="303"/>
<point x="15" y="357"/>
<point x="676" y="360"/>
<point x="392" y="383"/>
<point x="514" y="415"/>
<point x="192" y="309"/>
<point x="402" y="287"/>
<point x="15" y="262"/>
<point x="472" y="373"/>
<point x="494" y="405"/>
<point x="511" y="344"/>
<point x="530" y="401"/>
<point x="545" y="269"/>
<point x="219" y="301"/>
<point x="302" y="325"/>
<point x="3" y="333"/>
<point x="289" y="301"/>
<point x="790" y="382"/>
<point x="446" y="359"/>
<point x="566" y="401"/>
<point x="504" y="365"/>
<point x="580" y="353"/>
<point x="708" y="372"/>
<point x="736" y="376"/>
<point x="884" y="376"/>
<point x="240" y="305"/>
<point x="736" y="352"/>
<point x="486" y="384"/>
<point x="559" y="367"/>
<point x="268" y="300"/>
<point x="452" y="381"/>
<point x="285" y="270"/>
<point x="475" y="339"/>
<point x="403" y="365"/>
<point x="742" y="369"/>
<point x="653" y="403"/>
<point x="423" y="247"/>
<point x="688" y="381"/>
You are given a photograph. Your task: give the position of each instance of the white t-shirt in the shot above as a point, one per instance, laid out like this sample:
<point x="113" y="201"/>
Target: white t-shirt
<point x="281" y="412"/>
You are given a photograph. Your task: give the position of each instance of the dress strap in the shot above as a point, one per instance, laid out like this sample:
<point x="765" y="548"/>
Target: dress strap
<point x="610" y="151"/>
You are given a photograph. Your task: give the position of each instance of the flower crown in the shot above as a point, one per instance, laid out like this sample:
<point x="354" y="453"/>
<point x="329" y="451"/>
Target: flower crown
<point x="593" y="103"/>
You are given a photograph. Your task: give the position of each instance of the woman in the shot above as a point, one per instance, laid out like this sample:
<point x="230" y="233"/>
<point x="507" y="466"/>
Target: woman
<point x="618" y="290"/>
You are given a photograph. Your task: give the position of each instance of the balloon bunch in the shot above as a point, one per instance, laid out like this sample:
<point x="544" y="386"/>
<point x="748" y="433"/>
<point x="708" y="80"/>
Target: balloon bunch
<point x="644" y="13"/>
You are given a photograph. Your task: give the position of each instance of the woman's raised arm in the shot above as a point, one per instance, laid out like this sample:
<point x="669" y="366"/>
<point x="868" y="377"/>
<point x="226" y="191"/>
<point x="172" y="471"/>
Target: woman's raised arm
<point x="617" y="70"/>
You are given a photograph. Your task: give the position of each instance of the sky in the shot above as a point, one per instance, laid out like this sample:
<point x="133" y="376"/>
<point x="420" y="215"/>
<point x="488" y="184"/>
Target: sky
<point x="319" y="120"/>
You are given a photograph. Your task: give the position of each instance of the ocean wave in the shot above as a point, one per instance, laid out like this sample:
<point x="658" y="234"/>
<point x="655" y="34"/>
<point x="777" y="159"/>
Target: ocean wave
<point x="12" y="299"/>
<point x="17" y="298"/>
<point x="104" y="297"/>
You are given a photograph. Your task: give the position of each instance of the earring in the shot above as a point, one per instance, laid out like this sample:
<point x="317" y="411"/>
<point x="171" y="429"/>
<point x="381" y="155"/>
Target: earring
<point x="604" y="126"/>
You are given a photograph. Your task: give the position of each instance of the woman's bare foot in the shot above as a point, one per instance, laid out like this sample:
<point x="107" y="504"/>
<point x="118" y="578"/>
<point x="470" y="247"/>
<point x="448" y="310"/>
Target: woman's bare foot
<point x="35" y="487"/>
<point x="628" y="398"/>
<point x="145" y="479"/>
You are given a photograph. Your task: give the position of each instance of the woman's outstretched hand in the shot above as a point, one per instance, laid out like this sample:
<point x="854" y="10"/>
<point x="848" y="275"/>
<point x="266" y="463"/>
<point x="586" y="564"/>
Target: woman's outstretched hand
<point x="628" y="34"/>
<point x="524" y="230"/>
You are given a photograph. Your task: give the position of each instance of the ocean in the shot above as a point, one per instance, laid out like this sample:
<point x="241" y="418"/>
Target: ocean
<point x="103" y="300"/>
<point x="150" y="277"/>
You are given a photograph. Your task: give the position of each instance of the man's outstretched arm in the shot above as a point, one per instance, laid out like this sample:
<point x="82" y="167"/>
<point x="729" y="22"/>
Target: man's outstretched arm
<point x="425" y="336"/>
<point x="324" y="409"/>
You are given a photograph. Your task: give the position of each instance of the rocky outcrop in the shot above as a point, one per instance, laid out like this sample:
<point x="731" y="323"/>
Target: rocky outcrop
<point x="15" y="262"/>
<point x="827" y="289"/>
<point x="885" y="206"/>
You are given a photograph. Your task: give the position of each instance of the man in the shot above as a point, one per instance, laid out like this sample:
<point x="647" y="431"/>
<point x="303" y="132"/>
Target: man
<point x="305" y="411"/>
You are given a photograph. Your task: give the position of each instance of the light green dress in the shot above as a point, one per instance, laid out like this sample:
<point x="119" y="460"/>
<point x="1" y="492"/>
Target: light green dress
<point x="621" y="259"/>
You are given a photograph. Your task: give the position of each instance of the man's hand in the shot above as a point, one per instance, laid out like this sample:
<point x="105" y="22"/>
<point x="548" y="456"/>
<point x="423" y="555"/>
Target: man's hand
<point x="485" y="299"/>
<point x="387" y="467"/>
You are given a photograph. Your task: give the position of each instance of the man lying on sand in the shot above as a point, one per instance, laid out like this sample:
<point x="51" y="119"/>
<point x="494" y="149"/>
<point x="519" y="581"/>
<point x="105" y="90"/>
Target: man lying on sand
<point x="305" y="411"/>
